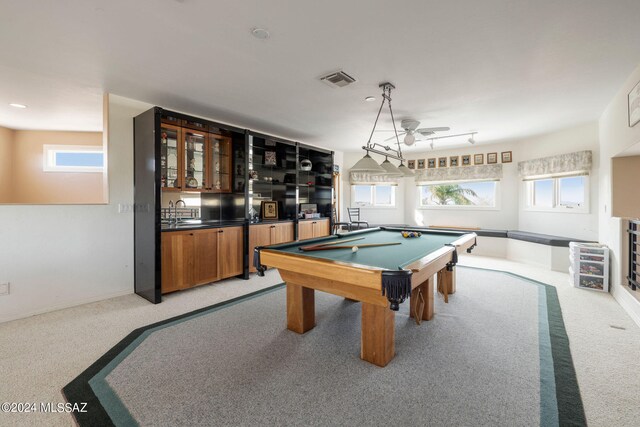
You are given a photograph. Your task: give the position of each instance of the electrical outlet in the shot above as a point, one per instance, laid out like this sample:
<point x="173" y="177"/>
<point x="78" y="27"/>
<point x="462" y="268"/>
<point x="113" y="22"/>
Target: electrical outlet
<point x="125" y="208"/>
<point x="4" y="288"/>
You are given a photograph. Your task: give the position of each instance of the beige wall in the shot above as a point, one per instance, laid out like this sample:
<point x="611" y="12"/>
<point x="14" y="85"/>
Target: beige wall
<point x="625" y="176"/>
<point x="31" y="185"/>
<point x="6" y="162"/>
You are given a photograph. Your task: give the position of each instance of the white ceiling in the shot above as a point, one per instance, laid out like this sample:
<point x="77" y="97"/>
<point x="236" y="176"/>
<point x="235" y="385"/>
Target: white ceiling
<point x="505" y="68"/>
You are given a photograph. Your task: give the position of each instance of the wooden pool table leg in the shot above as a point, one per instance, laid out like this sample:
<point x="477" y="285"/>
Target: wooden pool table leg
<point x="427" y="294"/>
<point x="448" y="280"/>
<point x="377" y="340"/>
<point x="301" y="308"/>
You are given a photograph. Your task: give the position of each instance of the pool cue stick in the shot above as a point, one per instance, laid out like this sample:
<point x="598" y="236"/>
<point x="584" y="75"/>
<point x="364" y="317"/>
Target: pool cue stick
<point x="324" y="248"/>
<point x="339" y="241"/>
<point x="321" y="245"/>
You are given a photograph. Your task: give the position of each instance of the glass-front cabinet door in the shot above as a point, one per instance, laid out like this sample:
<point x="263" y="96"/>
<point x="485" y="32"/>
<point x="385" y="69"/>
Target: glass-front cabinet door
<point x="220" y="155"/>
<point x="195" y="148"/>
<point x="169" y="156"/>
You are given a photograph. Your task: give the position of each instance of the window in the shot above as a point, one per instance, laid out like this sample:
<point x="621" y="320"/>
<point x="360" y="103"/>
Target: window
<point x="562" y="193"/>
<point x="543" y="193"/>
<point x="73" y="158"/>
<point x="373" y="195"/>
<point x="479" y="194"/>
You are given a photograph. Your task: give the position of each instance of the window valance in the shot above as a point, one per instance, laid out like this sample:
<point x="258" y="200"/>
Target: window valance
<point x="578" y="163"/>
<point x="362" y="178"/>
<point x="461" y="173"/>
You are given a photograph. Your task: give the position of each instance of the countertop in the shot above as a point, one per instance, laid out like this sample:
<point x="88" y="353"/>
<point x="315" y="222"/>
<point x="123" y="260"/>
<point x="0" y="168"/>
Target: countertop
<point x="196" y="224"/>
<point x="271" y="222"/>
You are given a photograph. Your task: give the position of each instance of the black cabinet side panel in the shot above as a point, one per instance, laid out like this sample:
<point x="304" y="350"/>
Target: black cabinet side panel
<point x="147" y="207"/>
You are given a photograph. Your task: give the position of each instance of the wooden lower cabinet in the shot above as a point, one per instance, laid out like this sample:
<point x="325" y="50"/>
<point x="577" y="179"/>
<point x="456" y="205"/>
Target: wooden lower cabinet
<point x="313" y="228"/>
<point x="197" y="257"/>
<point x="205" y="257"/>
<point x="177" y="259"/>
<point x="230" y="251"/>
<point x="268" y="234"/>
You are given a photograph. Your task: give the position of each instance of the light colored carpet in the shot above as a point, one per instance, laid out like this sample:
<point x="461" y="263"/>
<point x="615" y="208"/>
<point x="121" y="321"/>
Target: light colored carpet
<point x="39" y="355"/>
<point x="476" y="363"/>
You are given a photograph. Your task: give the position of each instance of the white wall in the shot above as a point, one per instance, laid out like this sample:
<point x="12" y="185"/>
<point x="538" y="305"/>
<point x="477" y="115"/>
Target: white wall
<point x="59" y="256"/>
<point x="504" y="217"/>
<point x="616" y="137"/>
<point x="576" y="225"/>
<point x="512" y="213"/>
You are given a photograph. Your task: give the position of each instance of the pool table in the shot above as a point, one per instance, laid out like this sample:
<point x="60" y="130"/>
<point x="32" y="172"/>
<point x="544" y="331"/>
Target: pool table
<point x="380" y="278"/>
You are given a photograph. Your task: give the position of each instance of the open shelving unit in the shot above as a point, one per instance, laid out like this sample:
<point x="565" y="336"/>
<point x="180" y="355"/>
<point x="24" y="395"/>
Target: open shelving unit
<point x="232" y="171"/>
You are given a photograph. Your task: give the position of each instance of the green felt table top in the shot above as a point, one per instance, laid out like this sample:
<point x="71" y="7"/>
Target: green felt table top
<point x="389" y="257"/>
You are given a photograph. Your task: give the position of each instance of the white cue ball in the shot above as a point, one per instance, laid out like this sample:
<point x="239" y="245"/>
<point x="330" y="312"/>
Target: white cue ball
<point x="354" y="249"/>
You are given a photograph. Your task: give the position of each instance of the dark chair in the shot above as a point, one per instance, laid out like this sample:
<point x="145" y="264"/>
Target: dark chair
<point x="337" y="225"/>
<point x="354" y="218"/>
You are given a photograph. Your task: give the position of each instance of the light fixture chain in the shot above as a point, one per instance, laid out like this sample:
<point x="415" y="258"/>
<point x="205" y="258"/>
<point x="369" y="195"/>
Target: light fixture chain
<point x="395" y="130"/>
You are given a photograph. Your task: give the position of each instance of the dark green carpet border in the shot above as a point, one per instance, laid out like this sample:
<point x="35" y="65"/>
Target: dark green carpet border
<point x="79" y="389"/>
<point x="570" y="406"/>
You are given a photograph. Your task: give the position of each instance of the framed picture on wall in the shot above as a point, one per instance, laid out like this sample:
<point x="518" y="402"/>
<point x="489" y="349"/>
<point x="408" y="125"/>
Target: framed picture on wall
<point x="634" y="105"/>
<point x="420" y="163"/>
<point x="478" y="159"/>
<point x="506" y="156"/>
<point x="269" y="210"/>
<point x="442" y="162"/>
<point x="466" y="160"/>
<point x="270" y="158"/>
<point x="411" y="164"/>
<point x="431" y="163"/>
<point x="453" y="161"/>
<point x="492" y="158"/>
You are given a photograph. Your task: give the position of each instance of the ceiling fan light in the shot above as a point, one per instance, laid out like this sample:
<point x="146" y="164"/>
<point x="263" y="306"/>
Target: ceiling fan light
<point x="409" y="139"/>
<point x="405" y="170"/>
<point x="368" y="165"/>
<point x="391" y="169"/>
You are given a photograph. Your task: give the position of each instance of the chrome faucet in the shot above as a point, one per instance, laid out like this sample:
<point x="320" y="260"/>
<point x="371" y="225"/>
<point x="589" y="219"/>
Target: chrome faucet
<point x="175" y="208"/>
<point x="170" y="207"/>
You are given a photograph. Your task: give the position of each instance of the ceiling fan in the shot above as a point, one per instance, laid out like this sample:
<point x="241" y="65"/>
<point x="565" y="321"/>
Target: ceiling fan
<point x="410" y="127"/>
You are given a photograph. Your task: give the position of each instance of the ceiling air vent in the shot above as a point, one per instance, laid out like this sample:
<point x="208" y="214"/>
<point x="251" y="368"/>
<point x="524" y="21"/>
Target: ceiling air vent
<point x="338" y="79"/>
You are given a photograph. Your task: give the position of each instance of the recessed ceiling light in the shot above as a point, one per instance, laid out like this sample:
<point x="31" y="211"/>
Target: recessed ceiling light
<point x="13" y="104"/>
<point x="370" y="98"/>
<point x="260" y="33"/>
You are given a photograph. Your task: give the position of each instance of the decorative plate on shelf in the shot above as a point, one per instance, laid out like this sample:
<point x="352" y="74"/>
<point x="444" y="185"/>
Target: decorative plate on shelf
<point x="192" y="182"/>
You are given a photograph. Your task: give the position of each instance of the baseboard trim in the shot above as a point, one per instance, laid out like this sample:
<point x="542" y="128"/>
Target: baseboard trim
<point x="627" y="302"/>
<point x="8" y="317"/>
